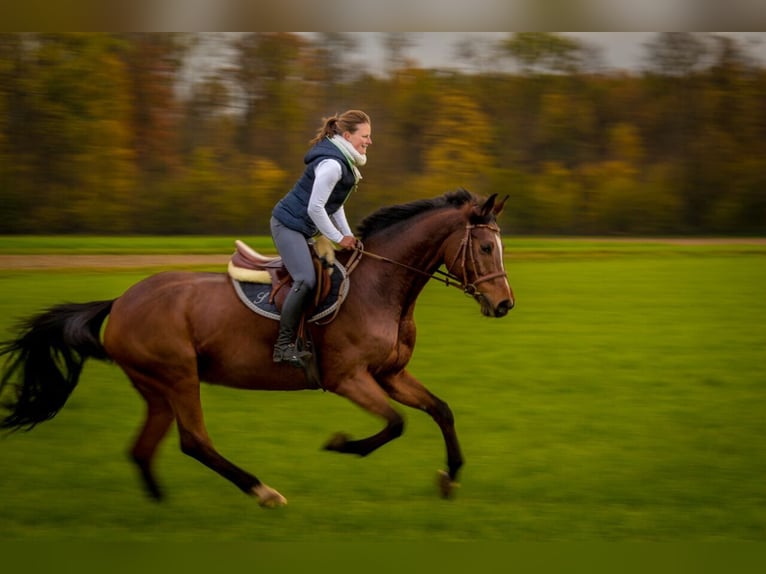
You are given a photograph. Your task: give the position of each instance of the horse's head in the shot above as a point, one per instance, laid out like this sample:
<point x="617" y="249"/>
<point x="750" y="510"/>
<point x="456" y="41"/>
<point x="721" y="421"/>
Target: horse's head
<point x="475" y="256"/>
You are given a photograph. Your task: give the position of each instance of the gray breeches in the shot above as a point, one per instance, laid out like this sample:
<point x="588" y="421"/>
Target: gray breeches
<point x="294" y="249"/>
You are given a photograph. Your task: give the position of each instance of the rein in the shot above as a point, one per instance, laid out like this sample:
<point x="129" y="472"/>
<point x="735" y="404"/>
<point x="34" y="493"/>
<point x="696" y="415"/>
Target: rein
<point x="449" y="278"/>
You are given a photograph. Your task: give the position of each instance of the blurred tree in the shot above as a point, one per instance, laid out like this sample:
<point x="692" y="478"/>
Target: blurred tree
<point x="565" y="125"/>
<point x="540" y="52"/>
<point x="664" y="211"/>
<point x="152" y="61"/>
<point x="557" y="200"/>
<point x="412" y="106"/>
<point x="14" y="192"/>
<point x="458" y="146"/>
<point x="331" y="70"/>
<point x="625" y="144"/>
<point x="208" y="119"/>
<point x="732" y="147"/>
<point x="395" y="45"/>
<point x="334" y="50"/>
<point x="615" y="198"/>
<point x="269" y="72"/>
<point x="479" y="55"/>
<point x="612" y="198"/>
<point x="673" y="87"/>
<point x="266" y="184"/>
<point x="676" y="53"/>
<point x="74" y="148"/>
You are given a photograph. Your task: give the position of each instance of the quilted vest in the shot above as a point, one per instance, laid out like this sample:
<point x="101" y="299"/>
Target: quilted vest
<point x="292" y="210"/>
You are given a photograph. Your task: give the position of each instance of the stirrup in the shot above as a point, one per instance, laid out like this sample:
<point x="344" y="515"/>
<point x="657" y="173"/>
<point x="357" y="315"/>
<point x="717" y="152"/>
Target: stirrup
<point x="290" y="354"/>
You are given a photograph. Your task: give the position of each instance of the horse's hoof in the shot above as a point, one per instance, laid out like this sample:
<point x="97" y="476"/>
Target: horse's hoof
<point x="446" y="485"/>
<point x="337" y="442"/>
<point x="268" y="497"/>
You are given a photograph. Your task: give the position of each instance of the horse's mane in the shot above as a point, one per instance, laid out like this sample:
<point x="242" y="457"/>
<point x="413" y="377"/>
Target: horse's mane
<point x="385" y="217"/>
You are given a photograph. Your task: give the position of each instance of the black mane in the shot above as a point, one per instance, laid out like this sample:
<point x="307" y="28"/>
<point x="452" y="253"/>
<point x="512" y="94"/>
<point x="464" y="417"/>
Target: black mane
<point x="385" y="217"/>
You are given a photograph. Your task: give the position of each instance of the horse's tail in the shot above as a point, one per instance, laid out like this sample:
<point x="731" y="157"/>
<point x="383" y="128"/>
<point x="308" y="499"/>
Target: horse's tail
<point x="44" y="362"/>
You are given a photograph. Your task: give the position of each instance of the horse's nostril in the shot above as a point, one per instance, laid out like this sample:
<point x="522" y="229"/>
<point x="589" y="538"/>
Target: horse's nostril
<point x="502" y="308"/>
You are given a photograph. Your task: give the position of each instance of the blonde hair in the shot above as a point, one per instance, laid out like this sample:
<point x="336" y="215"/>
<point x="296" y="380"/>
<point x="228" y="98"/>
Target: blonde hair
<point x="348" y="121"/>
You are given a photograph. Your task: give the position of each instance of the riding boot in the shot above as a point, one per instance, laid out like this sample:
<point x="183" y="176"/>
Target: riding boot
<point x="285" y="348"/>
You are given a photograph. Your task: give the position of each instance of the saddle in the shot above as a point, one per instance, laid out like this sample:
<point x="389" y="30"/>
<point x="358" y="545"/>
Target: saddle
<point x="248" y="266"/>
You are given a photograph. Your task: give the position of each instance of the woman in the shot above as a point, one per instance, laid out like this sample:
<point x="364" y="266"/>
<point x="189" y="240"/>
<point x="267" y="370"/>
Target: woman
<point x="315" y="205"/>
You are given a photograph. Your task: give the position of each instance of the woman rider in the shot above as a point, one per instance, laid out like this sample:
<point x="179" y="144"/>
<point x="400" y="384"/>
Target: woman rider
<point x="315" y="205"/>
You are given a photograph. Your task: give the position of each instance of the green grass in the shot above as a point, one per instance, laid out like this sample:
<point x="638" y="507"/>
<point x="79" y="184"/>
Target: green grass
<point x="622" y="399"/>
<point x="89" y="245"/>
<point x="521" y="246"/>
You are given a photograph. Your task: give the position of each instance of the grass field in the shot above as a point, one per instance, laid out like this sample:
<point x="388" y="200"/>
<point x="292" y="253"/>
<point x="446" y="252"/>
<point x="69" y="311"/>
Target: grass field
<point x="623" y="399"/>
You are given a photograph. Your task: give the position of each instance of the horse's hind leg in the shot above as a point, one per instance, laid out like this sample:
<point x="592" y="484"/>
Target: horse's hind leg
<point x="159" y="417"/>
<point x="407" y="390"/>
<point x="196" y="443"/>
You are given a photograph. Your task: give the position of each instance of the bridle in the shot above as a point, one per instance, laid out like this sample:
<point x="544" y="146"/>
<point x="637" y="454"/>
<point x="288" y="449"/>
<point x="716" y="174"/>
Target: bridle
<point x="466" y="245"/>
<point x="464" y="255"/>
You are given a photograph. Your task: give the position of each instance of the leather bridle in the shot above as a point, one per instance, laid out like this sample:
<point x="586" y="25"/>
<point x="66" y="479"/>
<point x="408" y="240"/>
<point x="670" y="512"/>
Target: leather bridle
<point x="465" y="248"/>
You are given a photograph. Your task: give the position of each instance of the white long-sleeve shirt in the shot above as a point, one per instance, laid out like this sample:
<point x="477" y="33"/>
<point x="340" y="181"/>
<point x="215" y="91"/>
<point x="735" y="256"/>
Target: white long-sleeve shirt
<point x="326" y="175"/>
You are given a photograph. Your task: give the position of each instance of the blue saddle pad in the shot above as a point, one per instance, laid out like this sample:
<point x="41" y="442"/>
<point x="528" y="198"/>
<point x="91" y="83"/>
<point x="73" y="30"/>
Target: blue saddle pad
<point x="256" y="296"/>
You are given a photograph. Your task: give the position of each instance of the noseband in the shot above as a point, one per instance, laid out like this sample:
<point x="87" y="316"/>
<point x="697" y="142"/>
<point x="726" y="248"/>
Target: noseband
<point x="464" y="254"/>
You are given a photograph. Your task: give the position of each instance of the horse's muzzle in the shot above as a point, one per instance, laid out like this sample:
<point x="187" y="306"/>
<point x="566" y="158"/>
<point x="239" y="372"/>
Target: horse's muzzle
<point x="497" y="311"/>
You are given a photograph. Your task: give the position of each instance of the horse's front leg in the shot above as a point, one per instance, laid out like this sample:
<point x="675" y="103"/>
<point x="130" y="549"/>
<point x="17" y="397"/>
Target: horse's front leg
<point x="363" y="390"/>
<point x="407" y="390"/>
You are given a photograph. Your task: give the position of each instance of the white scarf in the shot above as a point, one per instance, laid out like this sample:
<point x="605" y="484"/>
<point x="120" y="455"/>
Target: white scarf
<point x="354" y="157"/>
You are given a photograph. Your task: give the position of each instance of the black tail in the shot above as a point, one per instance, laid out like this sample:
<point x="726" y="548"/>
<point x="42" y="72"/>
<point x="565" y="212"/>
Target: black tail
<point x="44" y="362"/>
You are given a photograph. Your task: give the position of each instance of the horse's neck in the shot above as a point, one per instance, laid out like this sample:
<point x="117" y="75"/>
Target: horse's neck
<point x="420" y="247"/>
<point x="421" y="244"/>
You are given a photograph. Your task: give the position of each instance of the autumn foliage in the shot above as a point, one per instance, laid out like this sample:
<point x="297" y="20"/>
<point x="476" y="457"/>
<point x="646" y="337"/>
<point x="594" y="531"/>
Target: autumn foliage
<point x="143" y="133"/>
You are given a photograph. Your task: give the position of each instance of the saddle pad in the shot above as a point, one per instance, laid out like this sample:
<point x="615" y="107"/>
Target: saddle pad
<point x="256" y="296"/>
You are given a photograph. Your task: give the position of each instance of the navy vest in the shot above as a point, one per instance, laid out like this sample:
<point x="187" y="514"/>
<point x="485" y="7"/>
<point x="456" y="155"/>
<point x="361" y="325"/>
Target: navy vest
<point x="292" y="210"/>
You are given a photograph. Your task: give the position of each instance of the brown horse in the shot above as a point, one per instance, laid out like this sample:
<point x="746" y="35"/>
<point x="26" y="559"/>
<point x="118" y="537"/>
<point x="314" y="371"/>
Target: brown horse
<point x="174" y="329"/>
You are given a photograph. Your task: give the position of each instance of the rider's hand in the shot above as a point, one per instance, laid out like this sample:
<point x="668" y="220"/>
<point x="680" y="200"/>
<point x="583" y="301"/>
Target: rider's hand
<point x="348" y="242"/>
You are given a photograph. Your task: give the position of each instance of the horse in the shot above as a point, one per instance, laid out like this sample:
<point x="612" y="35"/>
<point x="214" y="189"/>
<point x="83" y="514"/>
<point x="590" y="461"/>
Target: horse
<point x="174" y="329"/>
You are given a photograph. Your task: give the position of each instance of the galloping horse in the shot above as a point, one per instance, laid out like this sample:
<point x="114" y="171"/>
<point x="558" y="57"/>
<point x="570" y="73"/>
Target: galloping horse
<point x="174" y="329"/>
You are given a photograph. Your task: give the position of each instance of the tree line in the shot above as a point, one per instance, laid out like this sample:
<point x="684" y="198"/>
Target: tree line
<point x="116" y="133"/>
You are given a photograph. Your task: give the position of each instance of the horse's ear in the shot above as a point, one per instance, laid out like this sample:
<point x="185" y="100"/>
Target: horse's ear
<point x="499" y="207"/>
<point x="486" y="209"/>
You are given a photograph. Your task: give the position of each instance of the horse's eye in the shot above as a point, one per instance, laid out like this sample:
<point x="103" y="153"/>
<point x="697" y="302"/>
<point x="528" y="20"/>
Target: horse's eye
<point x="486" y="248"/>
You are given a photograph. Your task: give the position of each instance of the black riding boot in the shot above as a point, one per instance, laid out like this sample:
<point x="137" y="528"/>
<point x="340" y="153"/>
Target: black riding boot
<point x="292" y="309"/>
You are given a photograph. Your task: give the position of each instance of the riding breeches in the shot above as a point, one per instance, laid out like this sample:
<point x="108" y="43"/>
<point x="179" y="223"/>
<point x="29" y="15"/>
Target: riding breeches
<point x="293" y="247"/>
